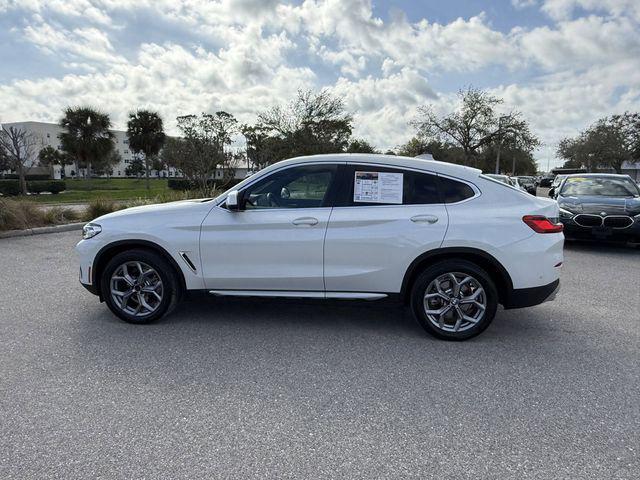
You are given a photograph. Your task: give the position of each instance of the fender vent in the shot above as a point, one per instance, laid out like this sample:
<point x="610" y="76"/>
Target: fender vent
<point x="188" y="261"/>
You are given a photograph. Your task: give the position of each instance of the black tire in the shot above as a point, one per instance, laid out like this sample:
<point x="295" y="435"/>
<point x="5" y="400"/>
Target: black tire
<point x="166" y="272"/>
<point x="436" y="270"/>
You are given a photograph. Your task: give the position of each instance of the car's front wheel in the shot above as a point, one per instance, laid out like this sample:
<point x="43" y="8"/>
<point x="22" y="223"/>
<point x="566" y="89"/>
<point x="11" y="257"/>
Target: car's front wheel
<point x="454" y="299"/>
<point x="139" y="286"/>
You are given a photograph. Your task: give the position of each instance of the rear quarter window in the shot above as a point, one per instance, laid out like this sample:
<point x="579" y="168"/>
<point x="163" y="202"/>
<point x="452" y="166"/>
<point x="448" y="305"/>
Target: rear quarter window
<point x="454" y="191"/>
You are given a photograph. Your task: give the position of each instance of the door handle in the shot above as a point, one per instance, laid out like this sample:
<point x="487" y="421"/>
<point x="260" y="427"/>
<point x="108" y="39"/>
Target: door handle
<point x="308" y="221"/>
<point x="431" y="219"/>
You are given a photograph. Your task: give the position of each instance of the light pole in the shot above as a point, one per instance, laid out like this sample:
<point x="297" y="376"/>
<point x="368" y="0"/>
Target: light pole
<point x="513" y="153"/>
<point x="499" y="142"/>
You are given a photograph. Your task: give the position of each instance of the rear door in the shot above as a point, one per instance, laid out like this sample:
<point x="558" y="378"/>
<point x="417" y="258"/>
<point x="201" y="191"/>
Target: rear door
<point x="385" y="218"/>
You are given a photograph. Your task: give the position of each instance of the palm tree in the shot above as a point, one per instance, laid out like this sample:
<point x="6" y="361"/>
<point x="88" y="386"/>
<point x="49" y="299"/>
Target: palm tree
<point x="86" y="136"/>
<point x="146" y="135"/>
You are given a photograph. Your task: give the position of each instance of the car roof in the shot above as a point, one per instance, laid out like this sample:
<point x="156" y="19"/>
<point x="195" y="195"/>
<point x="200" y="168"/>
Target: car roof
<point x="451" y="169"/>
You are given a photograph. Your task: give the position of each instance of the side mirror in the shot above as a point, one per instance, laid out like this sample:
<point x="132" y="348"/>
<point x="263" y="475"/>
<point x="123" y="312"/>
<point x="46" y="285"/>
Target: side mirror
<point x="552" y="192"/>
<point x="232" y="201"/>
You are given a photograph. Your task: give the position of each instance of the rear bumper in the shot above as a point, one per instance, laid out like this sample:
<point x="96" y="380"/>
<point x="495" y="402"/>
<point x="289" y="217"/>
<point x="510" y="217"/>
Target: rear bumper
<point x="527" y="297"/>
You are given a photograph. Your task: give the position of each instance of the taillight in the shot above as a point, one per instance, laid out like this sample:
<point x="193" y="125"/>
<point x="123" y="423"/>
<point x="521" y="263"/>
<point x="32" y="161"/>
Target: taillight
<point x="541" y="224"/>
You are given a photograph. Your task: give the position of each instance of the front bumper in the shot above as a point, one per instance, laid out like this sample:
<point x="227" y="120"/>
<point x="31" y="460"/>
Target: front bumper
<point x="574" y="231"/>
<point x="528" y="297"/>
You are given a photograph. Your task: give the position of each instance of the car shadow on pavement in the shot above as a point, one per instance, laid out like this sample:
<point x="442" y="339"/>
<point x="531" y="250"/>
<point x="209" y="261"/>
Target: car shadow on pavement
<point x="333" y="317"/>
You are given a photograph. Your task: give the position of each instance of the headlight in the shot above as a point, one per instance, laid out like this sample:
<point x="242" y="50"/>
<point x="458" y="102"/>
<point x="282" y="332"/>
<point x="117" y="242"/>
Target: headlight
<point x="566" y="213"/>
<point x="90" y="230"/>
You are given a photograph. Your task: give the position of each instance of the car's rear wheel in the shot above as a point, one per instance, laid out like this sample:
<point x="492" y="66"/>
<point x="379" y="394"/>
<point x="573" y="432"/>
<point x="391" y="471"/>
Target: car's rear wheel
<point x="454" y="299"/>
<point x="139" y="286"/>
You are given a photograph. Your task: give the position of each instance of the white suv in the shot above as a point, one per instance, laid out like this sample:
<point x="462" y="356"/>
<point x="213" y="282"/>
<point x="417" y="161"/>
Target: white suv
<point x="442" y="237"/>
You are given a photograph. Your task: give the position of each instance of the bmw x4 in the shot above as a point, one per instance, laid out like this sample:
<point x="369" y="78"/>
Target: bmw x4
<point x="446" y="240"/>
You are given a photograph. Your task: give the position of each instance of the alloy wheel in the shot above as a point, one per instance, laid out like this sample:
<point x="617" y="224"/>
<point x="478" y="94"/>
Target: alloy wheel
<point x="136" y="288"/>
<point x="455" y="302"/>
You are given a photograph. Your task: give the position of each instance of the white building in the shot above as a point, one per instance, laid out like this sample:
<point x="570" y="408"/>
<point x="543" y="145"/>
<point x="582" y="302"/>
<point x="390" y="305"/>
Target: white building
<point x="47" y="134"/>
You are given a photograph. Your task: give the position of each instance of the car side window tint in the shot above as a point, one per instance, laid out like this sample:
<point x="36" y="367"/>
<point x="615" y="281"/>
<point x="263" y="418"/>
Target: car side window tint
<point x="297" y="187"/>
<point x="423" y="189"/>
<point x="417" y="188"/>
<point x="454" y="191"/>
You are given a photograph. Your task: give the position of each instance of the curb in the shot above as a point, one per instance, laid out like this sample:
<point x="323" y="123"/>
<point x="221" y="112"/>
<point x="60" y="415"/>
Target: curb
<point x="40" y="230"/>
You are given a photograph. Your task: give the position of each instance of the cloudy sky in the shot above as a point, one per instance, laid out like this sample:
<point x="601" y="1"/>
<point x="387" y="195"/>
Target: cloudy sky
<point x="563" y="63"/>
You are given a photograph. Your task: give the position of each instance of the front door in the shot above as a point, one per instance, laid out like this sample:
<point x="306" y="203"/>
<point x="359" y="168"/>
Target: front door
<point x="275" y="241"/>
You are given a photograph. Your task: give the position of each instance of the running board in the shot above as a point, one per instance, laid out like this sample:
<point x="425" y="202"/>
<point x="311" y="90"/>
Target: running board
<point x="296" y="294"/>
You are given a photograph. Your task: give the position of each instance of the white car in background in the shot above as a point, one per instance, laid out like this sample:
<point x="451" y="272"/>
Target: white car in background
<point x="446" y="239"/>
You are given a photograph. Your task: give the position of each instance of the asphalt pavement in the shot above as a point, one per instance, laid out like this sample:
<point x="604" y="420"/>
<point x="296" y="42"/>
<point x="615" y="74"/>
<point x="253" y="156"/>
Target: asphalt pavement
<point x="230" y="388"/>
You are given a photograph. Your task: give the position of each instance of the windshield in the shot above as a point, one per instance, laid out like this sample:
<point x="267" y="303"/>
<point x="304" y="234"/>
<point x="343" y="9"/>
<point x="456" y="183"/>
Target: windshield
<point x="602" y="186"/>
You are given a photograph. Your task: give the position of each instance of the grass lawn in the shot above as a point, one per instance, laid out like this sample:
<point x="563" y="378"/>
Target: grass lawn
<point x="82" y="191"/>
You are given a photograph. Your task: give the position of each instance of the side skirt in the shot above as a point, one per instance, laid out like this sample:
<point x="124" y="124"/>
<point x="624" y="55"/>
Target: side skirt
<point x="299" y="294"/>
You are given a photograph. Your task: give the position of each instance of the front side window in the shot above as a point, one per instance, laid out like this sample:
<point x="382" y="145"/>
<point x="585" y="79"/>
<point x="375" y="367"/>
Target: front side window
<point x="297" y="187"/>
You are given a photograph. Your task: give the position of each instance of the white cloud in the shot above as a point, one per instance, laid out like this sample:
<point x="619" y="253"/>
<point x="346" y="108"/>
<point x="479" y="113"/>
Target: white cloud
<point x="564" y="9"/>
<point x="519" y="4"/>
<point x="569" y="72"/>
<point x="81" y="44"/>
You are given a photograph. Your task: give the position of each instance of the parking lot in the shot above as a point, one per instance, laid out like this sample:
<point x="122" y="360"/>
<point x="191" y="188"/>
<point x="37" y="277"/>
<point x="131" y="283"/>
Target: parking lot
<point x="311" y="389"/>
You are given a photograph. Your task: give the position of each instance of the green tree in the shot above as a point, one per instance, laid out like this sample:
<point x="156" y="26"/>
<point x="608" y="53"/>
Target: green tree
<point x="203" y="148"/>
<point x="313" y="123"/>
<point x="135" y="168"/>
<point x="607" y="143"/>
<point x="262" y="149"/>
<point x="145" y="131"/>
<point x="86" y="137"/>
<point x="359" y="145"/>
<point x="473" y="125"/>
<point x="49" y="156"/>
<point x="105" y="167"/>
<point x="414" y="147"/>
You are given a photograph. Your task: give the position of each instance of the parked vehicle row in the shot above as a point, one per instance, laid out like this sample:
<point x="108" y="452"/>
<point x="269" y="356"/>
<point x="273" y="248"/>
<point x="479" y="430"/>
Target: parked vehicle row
<point x="524" y="183"/>
<point x="446" y="239"/>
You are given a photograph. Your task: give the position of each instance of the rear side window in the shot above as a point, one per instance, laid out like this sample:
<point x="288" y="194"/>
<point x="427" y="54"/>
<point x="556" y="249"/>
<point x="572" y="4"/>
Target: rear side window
<point x="454" y="191"/>
<point x="369" y="185"/>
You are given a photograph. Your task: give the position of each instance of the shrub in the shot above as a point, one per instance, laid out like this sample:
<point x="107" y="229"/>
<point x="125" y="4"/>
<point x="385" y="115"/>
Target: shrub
<point x="180" y="184"/>
<point x="12" y="187"/>
<point x="99" y="207"/>
<point x="9" y="188"/>
<point x="184" y="184"/>
<point x="14" y="176"/>
<point x="20" y="214"/>
<point x="60" y="215"/>
<point x="15" y="214"/>
<point x="53" y="186"/>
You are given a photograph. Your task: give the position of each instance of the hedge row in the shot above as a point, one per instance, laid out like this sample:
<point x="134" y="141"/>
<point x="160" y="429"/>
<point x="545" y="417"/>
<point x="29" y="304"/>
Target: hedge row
<point x="183" y="184"/>
<point x="14" y="176"/>
<point x="12" y="187"/>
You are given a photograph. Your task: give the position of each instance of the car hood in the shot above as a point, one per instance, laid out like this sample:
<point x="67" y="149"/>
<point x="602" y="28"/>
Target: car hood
<point x="598" y="204"/>
<point x="158" y="210"/>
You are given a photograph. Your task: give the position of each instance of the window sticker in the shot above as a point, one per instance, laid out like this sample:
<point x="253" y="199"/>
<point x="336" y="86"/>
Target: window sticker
<point x="378" y="187"/>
